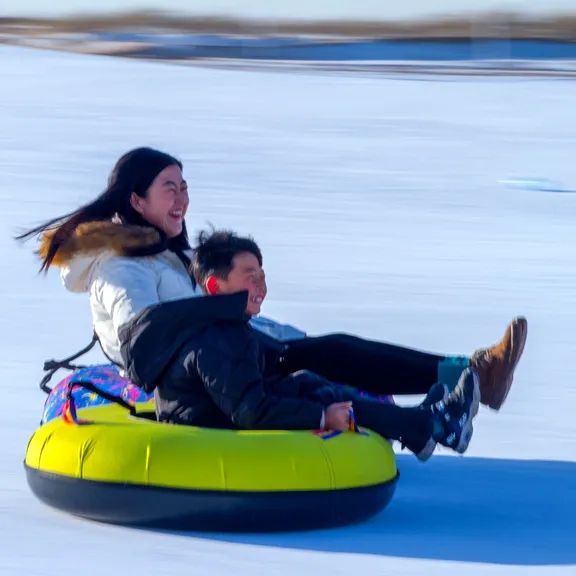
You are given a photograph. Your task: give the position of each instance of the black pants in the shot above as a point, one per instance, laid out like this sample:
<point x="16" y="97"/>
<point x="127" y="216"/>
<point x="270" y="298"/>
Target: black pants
<point x="376" y="367"/>
<point x="411" y="426"/>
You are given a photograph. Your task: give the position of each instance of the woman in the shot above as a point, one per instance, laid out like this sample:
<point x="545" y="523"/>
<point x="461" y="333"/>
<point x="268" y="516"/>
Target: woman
<point x="129" y="250"/>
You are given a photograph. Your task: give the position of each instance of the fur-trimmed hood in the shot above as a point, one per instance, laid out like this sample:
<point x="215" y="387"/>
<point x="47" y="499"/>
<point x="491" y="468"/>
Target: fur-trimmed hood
<point x="94" y="238"/>
<point x="91" y="243"/>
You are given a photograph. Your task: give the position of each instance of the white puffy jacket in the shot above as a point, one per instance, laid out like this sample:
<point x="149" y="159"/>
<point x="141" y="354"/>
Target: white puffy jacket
<point x="120" y="287"/>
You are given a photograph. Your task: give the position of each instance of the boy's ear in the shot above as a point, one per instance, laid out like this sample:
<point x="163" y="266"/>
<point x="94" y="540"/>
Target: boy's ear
<point x="212" y="285"/>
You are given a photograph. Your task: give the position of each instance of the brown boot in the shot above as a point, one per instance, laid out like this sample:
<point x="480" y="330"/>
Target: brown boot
<point x="495" y="365"/>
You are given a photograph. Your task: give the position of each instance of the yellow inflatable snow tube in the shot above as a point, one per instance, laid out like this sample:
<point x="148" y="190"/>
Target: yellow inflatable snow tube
<point x="134" y="470"/>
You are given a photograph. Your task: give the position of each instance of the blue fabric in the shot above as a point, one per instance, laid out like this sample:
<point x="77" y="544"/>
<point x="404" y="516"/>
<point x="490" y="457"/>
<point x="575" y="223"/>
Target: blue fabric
<point x="281" y="332"/>
<point x="450" y="369"/>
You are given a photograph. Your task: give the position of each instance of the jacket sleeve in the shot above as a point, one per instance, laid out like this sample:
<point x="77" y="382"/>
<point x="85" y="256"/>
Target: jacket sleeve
<point x="124" y="287"/>
<point x="231" y="375"/>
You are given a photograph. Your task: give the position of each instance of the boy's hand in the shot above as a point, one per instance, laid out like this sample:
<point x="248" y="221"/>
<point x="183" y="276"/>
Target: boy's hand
<point x="337" y="416"/>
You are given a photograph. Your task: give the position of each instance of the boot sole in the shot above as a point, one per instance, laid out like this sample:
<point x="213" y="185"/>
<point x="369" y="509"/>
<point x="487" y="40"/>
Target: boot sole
<point x="427" y="451"/>
<point x="519" y="334"/>
<point x="468" y="429"/>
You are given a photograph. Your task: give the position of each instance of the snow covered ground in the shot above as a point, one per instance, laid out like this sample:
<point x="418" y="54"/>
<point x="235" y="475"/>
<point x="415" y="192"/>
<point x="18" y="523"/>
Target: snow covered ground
<point x="382" y="208"/>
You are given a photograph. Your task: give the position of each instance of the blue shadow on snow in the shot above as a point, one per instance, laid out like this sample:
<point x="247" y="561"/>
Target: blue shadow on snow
<point x="520" y="512"/>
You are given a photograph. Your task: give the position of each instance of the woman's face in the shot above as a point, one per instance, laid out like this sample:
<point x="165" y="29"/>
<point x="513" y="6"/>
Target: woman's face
<point x="166" y="202"/>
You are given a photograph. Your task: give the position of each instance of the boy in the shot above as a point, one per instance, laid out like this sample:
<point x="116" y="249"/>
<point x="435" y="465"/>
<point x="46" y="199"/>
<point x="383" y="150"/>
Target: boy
<point x="208" y="366"/>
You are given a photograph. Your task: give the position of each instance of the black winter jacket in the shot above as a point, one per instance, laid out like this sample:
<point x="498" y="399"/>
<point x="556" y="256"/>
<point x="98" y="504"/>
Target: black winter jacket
<point x="206" y="365"/>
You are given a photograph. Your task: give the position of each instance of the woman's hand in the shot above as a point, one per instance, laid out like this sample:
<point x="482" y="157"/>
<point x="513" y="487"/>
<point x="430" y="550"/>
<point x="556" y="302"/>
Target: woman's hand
<point x="337" y="416"/>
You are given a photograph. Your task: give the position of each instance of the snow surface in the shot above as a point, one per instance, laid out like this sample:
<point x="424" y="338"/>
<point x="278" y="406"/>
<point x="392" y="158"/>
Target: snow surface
<point x="379" y="204"/>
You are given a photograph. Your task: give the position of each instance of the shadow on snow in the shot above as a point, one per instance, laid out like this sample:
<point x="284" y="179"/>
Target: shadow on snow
<point x="461" y="509"/>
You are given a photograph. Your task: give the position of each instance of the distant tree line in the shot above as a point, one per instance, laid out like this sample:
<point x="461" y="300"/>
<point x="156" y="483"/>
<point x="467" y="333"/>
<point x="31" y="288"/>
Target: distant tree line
<point x="492" y="25"/>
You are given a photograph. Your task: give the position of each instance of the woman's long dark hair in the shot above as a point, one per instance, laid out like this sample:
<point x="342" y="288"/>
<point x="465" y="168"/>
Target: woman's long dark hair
<point x="134" y="172"/>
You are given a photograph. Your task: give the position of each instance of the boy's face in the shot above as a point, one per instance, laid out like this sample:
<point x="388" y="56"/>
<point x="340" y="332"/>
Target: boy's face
<point x="246" y="274"/>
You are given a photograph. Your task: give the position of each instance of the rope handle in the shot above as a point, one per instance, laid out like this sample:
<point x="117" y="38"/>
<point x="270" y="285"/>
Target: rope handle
<point x="52" y="366"/>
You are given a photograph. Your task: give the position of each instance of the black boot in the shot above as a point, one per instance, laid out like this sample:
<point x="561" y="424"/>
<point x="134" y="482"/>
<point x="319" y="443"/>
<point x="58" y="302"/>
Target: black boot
<point x="453" y="414"/>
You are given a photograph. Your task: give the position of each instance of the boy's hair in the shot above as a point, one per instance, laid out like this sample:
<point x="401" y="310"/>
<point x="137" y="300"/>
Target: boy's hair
<point x="214" y="252"/>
